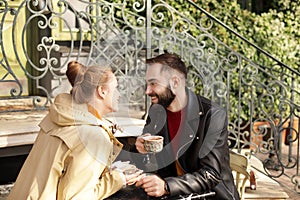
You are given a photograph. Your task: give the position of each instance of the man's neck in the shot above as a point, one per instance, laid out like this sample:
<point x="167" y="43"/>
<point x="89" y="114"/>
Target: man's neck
<point x="179" y="102"/>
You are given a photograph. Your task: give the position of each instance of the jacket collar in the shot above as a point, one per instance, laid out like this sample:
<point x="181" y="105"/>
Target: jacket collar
<point x="194" y="107"/>
<point x="189" y="127"/>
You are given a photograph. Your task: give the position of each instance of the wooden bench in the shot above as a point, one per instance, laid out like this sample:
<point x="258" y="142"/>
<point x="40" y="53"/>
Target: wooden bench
<point x="21" y="128"/>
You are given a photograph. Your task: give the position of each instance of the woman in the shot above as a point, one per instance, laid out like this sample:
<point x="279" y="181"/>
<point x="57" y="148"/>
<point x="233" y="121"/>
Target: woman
<point x="72" y="155"/>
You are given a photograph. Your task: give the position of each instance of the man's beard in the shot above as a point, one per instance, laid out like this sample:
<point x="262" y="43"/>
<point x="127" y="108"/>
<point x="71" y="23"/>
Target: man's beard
<point x="166" y="98"/>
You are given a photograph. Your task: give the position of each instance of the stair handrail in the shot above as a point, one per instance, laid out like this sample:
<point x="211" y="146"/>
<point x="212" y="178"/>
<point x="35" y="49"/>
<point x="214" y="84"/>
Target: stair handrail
<point x="242" y="37"/>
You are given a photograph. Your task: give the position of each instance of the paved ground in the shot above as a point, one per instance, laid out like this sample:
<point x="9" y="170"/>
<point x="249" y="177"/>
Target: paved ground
<point x="285" y="179"/>
<point x="288" y="186"/>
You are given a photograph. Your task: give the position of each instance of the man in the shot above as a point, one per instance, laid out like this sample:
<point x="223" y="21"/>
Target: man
<point x="195" y="158"/>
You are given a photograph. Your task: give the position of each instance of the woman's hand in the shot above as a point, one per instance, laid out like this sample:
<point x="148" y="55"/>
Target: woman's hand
<point x="133" y="178"/>
<point x="139" y="143"/>
<point x="152" y="185"/>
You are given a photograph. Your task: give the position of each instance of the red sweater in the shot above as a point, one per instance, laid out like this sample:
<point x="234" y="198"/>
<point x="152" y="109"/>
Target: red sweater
<point x="174" y="119"/>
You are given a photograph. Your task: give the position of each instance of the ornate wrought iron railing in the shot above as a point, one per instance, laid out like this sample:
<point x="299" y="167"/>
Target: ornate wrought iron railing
<point x="39" y="37"/>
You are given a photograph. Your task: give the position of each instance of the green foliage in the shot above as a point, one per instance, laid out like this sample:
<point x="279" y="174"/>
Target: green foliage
<point x="275" y="31"/>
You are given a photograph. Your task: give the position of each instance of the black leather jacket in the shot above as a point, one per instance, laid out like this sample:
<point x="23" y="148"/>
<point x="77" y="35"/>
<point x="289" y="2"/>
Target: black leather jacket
<point x="203" y="152"/>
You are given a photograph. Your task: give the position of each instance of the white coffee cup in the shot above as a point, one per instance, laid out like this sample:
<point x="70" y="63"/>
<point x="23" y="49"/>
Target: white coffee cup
<point x="153" y="143"/>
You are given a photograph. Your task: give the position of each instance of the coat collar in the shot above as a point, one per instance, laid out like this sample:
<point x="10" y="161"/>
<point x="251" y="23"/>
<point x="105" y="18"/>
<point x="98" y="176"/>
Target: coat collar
<point x="194" y="107"/>
<point x="189" y="127"/>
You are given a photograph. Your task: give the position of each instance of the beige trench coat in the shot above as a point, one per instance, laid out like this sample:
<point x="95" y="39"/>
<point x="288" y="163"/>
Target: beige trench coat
<point x="69" y="161"/>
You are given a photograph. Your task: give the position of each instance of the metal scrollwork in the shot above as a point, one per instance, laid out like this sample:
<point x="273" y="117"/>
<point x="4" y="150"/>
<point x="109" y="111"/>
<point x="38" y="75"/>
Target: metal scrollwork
<point x="131" y="14"/>
<point x="296" y="181"/>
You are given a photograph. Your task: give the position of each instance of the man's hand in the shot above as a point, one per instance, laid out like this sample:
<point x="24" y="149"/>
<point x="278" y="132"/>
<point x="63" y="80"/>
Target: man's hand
<point x="133" y="178"/>
<point x="152" y="185"/>
<point x="139" y="143"/>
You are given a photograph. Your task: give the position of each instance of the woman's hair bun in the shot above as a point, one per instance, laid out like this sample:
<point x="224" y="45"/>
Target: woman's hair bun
<point x="75" y="72"/>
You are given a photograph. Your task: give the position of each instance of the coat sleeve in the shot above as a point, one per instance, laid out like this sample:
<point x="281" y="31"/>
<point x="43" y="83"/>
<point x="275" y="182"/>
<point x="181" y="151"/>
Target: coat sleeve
<point x="109" y="183"/>
<point x="84" y="177"/>
<point x="211" y="156"/>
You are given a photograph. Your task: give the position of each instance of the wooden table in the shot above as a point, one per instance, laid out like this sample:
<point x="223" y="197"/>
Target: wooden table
<point x="134" y="193"/>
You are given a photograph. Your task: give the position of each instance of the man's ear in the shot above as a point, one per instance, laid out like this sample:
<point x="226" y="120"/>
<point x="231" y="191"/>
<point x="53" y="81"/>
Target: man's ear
<point x="101" y="92"/>
<point x="175" y="82"/>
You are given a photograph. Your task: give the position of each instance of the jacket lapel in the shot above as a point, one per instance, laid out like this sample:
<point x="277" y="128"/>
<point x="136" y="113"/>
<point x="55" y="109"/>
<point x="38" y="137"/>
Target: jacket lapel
<point x="190" y="125"/>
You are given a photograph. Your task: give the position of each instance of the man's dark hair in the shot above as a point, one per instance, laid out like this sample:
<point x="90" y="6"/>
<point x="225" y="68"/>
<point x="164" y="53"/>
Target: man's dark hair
<point x="171" y="60"/>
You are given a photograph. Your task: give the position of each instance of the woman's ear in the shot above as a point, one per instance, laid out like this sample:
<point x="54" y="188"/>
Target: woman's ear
<point x="101" y="92"/>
